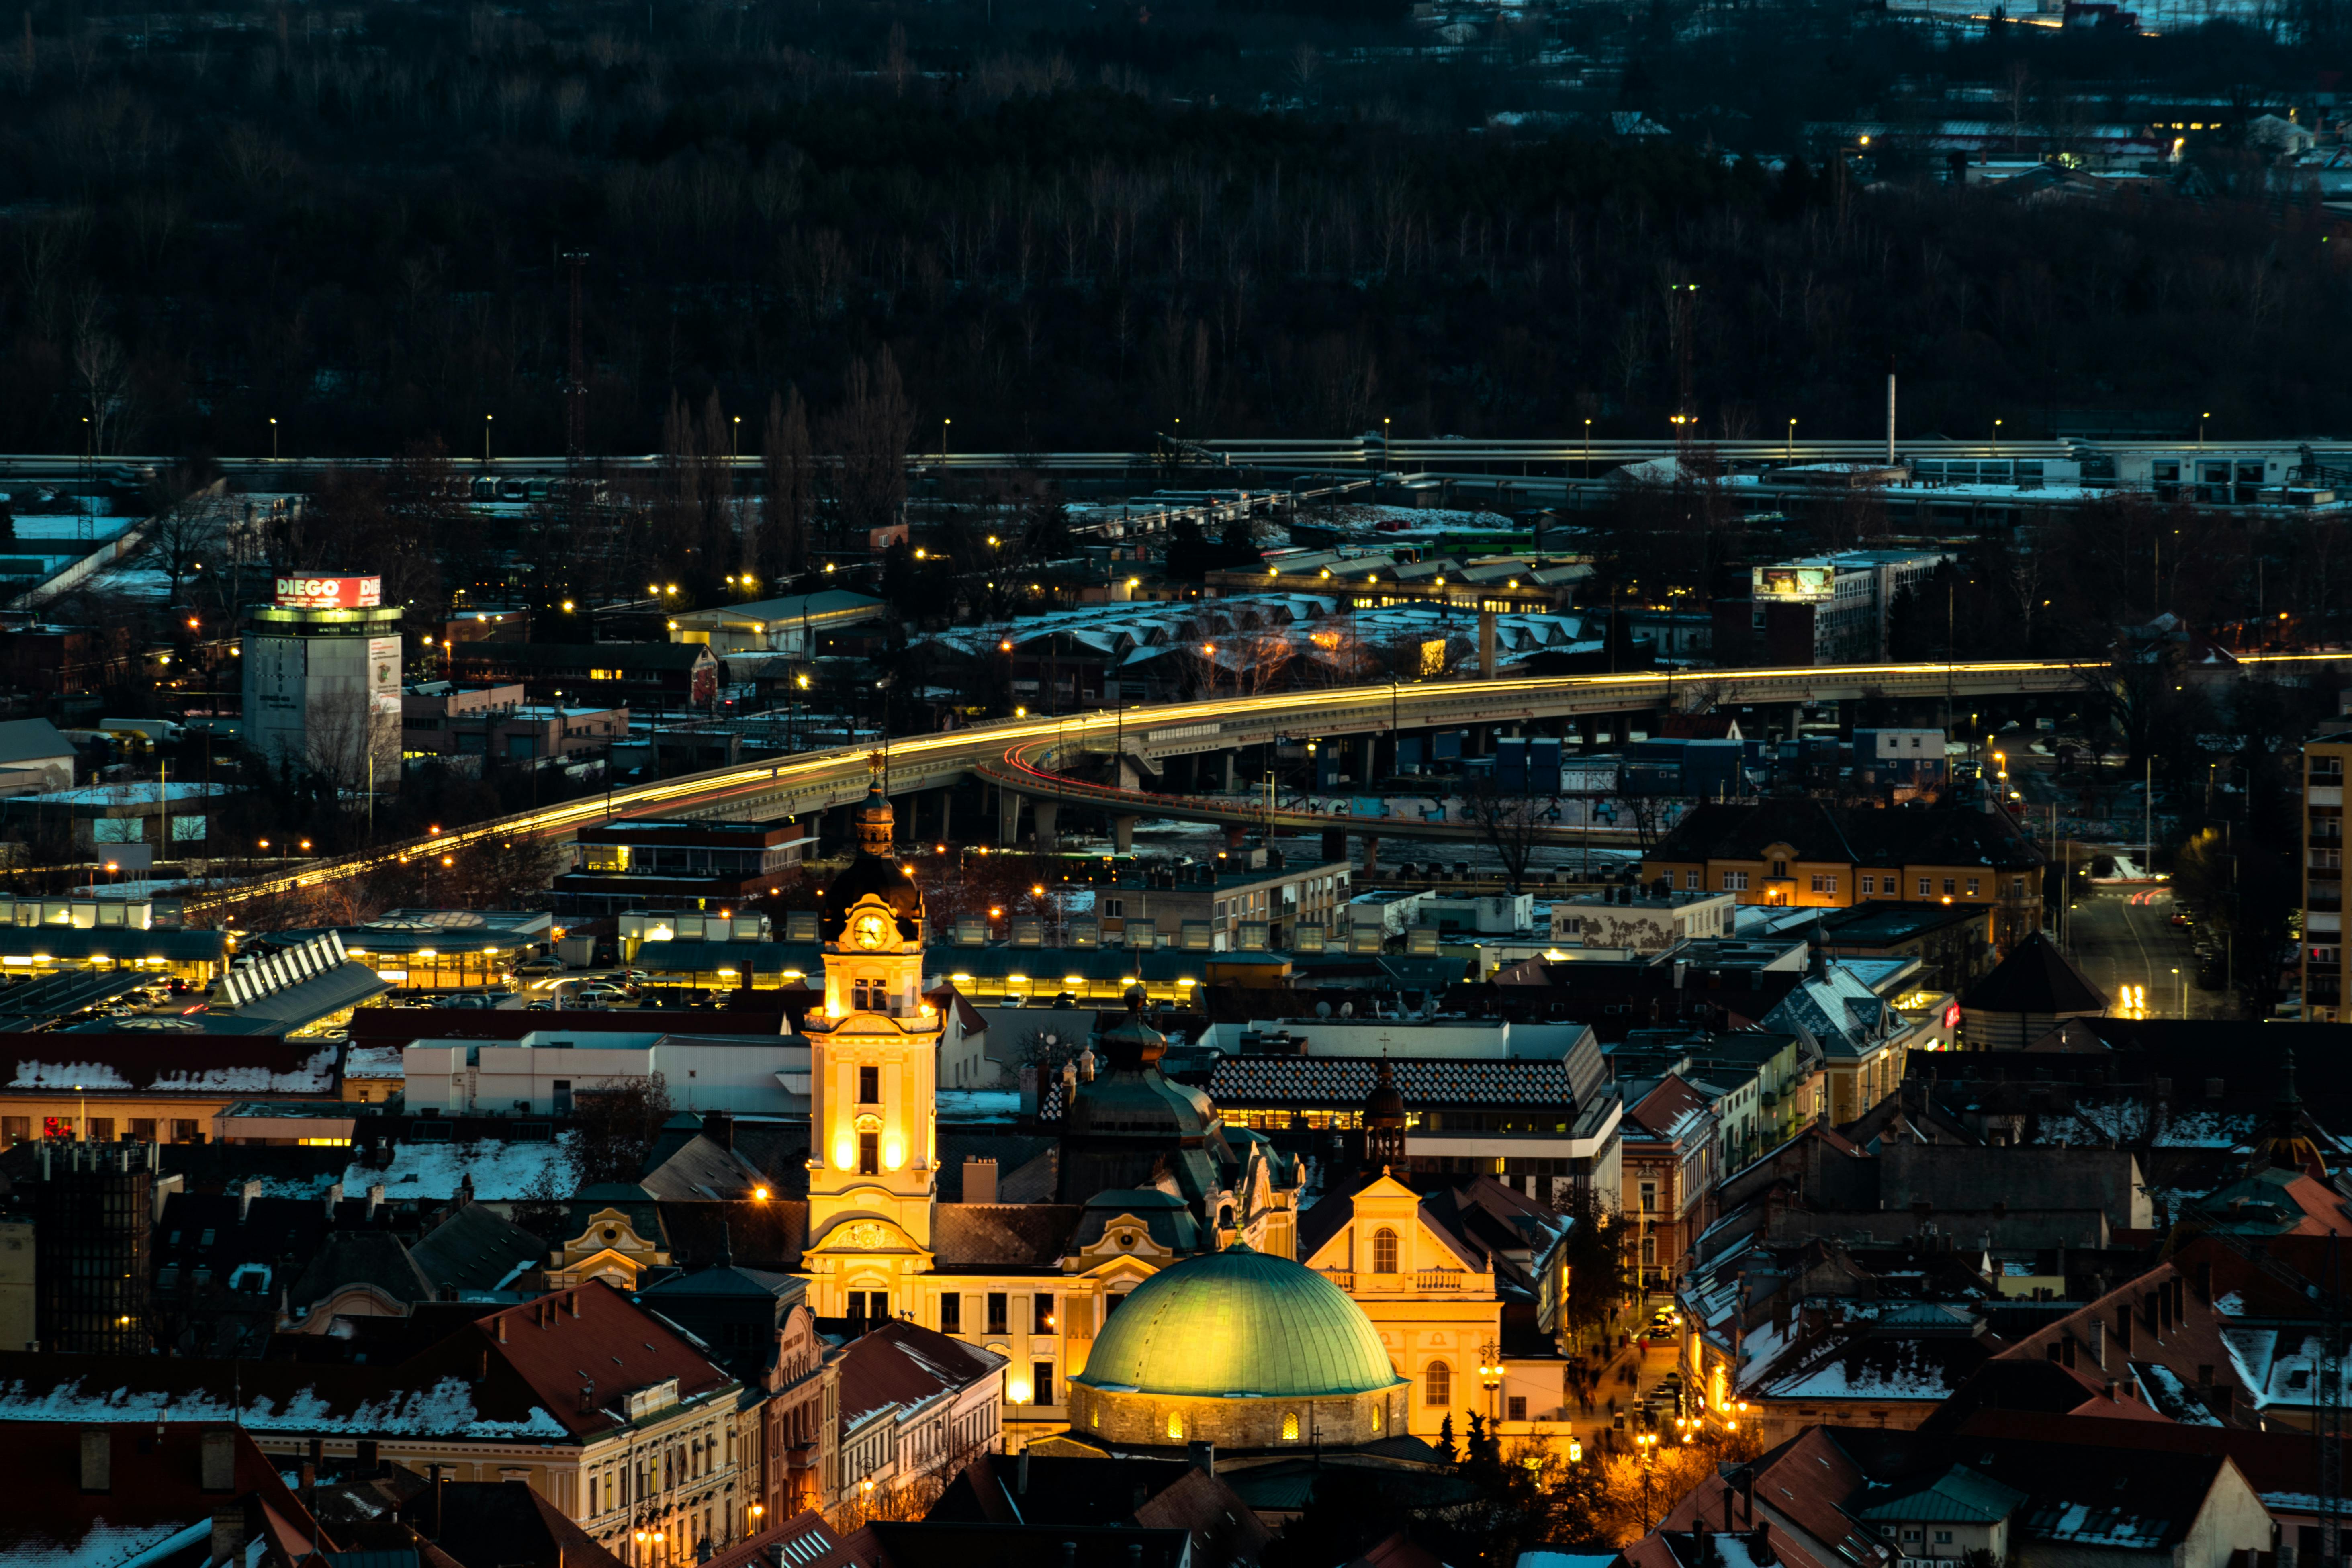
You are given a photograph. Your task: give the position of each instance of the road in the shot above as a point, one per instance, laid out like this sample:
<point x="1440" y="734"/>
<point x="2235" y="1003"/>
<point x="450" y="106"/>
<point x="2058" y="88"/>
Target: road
<point x="2124" y="936"/>
<point x="815" y="781"/>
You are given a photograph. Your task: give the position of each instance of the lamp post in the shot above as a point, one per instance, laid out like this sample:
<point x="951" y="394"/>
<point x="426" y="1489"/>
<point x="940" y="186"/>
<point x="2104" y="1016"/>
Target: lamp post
<point x="2181" y="986"/>
<point x="273" y="437"/>
<point x="1647" y="1443"/>
<point x="1490" y="1375"/>
<point x="486" y="438"/>
<point x="1793" y="440"/>
<point x="1588" y="447"/>
<point x="943" y="439"/>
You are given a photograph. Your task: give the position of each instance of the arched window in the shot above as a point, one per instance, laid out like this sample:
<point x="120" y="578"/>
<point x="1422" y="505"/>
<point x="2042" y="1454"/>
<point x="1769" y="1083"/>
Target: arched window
<point x="1376" y="1417"/>
<point x="1176" y="1425"/>
<point x="1290" y="1426"/>
<point x="1384" y="1251"/>
<point x="1437" y="1385"/>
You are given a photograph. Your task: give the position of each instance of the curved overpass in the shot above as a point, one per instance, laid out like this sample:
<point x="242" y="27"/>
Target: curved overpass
<point x="815" y="781"/>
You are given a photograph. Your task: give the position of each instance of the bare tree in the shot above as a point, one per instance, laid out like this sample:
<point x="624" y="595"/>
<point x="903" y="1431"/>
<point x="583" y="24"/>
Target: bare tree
<point x="618" y="1119"/>
<point x="867" y="438"/>
<point x="779" y="548"/>
<point x="187" y="532"/>
<point x="1511" y="824"/>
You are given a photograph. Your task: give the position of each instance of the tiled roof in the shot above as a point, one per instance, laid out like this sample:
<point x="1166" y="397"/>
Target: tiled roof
<point x="983" y="1237"/>
<point x="1344" y="1081"/>
<point x="905" y="1364"/>
<point x="2036" y="978"/>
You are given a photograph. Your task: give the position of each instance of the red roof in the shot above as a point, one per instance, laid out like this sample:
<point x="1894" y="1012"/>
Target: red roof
<point x="156" y="1489"/>
<point x="905" y="1364"/>
<point x="609" y="1345"/>
<point x="807" y="1542"/>
<point x="1798" y="1493"/>
<point x="1667" y="1110"/>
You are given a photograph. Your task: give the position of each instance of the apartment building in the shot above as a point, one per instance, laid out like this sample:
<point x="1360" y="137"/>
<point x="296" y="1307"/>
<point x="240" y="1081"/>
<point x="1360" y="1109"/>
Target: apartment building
<point x="1804" y="854"/>
<point x="2323" y="877"/>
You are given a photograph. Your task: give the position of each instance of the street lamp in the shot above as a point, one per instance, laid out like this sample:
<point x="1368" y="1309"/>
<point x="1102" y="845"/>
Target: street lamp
<point x="273" y="437"/>
<point x="1647" y="1443"/>
<point x="2200" y="428"/>
<point x="486" y="438"/>
<point x="1996" y="437"/>
<point x="2182" y="987"/>
<point x="943" y="438"/>
<point x="1490" y="1373"/>
<point x="1793" y="440"/>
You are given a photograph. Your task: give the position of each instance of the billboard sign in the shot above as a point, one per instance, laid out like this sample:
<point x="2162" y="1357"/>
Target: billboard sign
<point x="1792" y="584"/>
<point x="329" y="593"/>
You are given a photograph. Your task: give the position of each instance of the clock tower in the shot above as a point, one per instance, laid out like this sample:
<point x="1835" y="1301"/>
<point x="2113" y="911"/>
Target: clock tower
<point x="873" y="1054"/>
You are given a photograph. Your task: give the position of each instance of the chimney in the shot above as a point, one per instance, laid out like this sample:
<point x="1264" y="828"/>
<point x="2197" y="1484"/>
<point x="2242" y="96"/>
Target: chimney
<point x="502" y="1328"/>
<point x="572" y="1300"/>
<point x="440" y="1489"/>
<point x="335" y="1198"/>
<point x="1021" y="1475"/>
<point x="719" y="1128"/>
<point x="2099" y="1340"/>
<point x="244" y="1196"/>
<point x="375" y="1199"/>
<point x="979" y="1180"/>
<point x="229" y="1535"/>
<point x="1205" y="1457"/>
<point x="2112" y="1396"/>
<point x="220" y="1460"/>
<point x="96" y="1460"/>
<point x="2204" y="1281"/>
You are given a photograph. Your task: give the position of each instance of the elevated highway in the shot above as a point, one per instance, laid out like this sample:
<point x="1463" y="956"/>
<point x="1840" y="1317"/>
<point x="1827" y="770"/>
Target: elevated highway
<point x="1561" y="457"/>
<point x="1021" y="756"/>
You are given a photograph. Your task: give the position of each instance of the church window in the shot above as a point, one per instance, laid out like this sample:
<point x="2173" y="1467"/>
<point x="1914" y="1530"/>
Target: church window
<point x="869" y="1153"/>
<point x="1176" y="1425"/>
<point x="1290" y="1426"/>
<point x="1376" y="1417"/>
<point x="1384" y="1251"/>
<point x="870" y="1085"/>
<point x="951" y="1314"/>
<point x="997" y="1315"/>
<point x="1437" y="1385"/>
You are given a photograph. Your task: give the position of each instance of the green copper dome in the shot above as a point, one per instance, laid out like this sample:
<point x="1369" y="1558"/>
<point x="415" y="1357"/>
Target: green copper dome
<point x="1239" y="1322"/>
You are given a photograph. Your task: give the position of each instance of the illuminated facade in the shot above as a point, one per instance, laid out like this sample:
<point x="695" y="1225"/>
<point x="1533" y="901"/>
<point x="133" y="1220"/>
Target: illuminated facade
<point x="872" y="1055"/>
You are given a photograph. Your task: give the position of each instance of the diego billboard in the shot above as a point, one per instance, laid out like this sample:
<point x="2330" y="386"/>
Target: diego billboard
<point x="1793" y="584"/>
<point x="329" y="593"/>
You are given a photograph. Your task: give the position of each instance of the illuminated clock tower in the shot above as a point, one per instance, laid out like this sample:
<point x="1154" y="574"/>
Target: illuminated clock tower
<point x="873" y="1055"/>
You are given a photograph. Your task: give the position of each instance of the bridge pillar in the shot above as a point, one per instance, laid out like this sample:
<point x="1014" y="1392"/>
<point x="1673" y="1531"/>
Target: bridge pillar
<point x="1335" y="844"/>
<point x="1220" y="771"/>
<point x="1123" y="833"/>
<point x="1368" y="763"/>
<point x="1041" y="813"/>
<point x="812" y="827"/>
<point x="1129" y="775"/>
<point x="1372" y="853"/>
<point x="947" y="813"/>
<point x="1235" y="834"/>
<point x="1008" y="816"/>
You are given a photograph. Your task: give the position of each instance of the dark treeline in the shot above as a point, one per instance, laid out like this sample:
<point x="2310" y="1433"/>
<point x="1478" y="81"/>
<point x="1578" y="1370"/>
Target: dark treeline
<point x="1063" y="234"/>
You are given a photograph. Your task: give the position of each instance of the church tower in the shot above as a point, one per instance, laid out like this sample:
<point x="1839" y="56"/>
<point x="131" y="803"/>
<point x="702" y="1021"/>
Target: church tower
<point x="873" y="1054"/>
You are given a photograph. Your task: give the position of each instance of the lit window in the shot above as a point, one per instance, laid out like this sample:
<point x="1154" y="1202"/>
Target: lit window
<point x="1176" y="1425"/>
<point x="1384" y="1251"/>
<point x="1290" y="1426"/>
<point x="1437" y="1385"/>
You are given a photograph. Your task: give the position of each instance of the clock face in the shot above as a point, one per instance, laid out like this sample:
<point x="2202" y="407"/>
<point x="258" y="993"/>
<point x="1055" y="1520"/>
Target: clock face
<point x="869" y="930"/>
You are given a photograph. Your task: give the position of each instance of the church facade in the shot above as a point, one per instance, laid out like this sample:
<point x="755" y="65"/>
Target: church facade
<point x="1149" y="1178"/>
